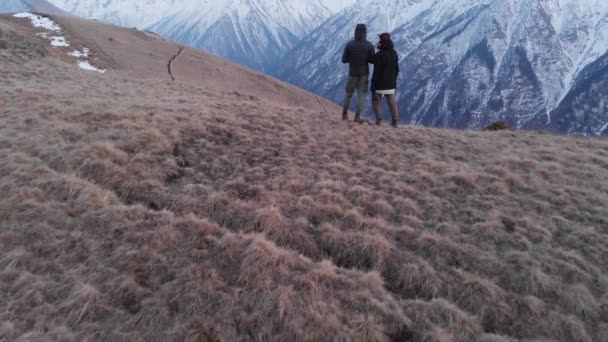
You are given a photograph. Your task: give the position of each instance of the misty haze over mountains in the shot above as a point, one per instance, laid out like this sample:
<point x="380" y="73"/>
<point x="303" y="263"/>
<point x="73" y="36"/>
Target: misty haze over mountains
<point x="538" y="64"/>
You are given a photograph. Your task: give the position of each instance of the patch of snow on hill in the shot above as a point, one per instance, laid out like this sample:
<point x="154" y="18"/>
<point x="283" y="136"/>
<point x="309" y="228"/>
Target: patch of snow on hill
<point x="58" y="41"/>
<point x="39" y="21"/>
<point x="85" y="65"/>
<point x="84" y="53"/>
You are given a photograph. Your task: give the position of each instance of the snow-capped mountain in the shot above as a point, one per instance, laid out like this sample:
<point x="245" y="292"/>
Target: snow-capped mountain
<point x="13" y="6"/>
<point x="128" y="13"/>
<point x="465" y="63"/>
<point x="256" y="33"/>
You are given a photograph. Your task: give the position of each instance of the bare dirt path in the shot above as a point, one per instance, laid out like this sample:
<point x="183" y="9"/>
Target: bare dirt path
<point x="179" y="52"/>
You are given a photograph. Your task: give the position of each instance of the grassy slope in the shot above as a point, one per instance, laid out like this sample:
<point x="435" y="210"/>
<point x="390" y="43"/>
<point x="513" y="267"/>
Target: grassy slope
<point x="137" y="209"/>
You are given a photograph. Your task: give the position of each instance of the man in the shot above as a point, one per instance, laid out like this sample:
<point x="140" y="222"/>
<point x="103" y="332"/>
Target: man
<point x="384" y="79"/>
<point x="358" y="53"/>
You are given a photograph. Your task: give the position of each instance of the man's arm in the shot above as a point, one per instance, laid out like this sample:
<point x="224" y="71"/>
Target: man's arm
<point x="372" y="87"/>
<point x="346" y="55"/>
<point x="379" y="66"/>
<point x="377" y="61"/>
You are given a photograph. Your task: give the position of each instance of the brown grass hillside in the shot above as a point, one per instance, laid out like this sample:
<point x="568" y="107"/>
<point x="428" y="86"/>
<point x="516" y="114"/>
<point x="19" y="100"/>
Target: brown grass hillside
<point x="226" y="206"/>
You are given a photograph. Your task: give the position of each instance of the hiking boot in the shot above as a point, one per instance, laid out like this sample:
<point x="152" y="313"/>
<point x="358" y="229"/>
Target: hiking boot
<point x="344" y="116"/>
<point x="378" y="122"/>
<point x="394" y="123"/>
<point x="358" y="118"/>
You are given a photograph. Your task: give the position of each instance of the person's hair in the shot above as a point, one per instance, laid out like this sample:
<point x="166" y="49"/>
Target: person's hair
<point x="385" y="41"/>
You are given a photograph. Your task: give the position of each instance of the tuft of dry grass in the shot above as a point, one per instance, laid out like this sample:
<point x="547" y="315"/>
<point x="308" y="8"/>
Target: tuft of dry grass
<point x="134" y="209"/>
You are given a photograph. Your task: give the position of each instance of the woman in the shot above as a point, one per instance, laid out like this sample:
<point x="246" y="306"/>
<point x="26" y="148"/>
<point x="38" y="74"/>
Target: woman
<point x="384" y="79"/>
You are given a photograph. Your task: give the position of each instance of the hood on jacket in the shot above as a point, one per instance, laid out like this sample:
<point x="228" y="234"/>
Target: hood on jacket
<point x="361" y="32"/>
<point x="386" y="42"/>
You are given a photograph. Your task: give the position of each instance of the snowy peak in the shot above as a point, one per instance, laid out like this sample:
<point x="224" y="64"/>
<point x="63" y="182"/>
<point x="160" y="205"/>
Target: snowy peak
<point x="295" y="15"/>
<point x="299" y="17"/>
<point x="256" y="33"/>
<point x="131" y="13"/>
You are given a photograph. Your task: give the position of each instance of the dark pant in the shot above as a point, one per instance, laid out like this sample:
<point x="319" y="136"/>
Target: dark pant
<point x="360" y="85"/>
<point x="392" y="106"/>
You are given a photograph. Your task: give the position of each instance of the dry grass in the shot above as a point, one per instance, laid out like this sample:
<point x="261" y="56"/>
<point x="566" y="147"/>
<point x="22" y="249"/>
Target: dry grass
<point x="141" y="210"/>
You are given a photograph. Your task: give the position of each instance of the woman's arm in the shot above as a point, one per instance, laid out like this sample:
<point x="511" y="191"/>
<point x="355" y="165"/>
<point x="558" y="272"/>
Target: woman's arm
<point x="346" y="54"/>
<point x="396" y="64"/>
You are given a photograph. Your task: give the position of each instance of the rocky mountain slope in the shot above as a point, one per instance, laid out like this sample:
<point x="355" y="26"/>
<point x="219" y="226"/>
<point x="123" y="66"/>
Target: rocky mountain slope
<point x="14" y="6"/>
<point x="256" y="33"/>
<point x="537" y="64"/>
<point x="180" y="197"/>
<point x="132" y="13"/>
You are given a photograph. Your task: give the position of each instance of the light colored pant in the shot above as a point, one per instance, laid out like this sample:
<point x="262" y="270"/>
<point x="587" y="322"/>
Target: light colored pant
<point x="359" y="84"/>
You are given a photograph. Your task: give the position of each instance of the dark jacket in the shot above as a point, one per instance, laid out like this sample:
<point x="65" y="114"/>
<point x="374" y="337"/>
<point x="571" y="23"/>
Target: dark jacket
<point x="386" y="68"/>
<point x="359" y="53"/>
